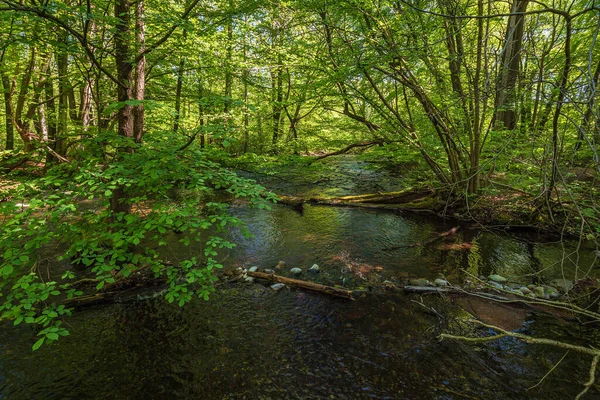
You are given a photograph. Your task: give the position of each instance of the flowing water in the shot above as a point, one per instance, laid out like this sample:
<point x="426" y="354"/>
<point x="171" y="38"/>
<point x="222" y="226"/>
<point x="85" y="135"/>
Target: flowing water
<point x="249" y="342"/>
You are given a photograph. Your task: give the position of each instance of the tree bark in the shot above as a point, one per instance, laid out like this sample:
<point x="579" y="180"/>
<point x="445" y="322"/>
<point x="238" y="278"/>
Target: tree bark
<point x="62" y="59"/>
<point x="51" y="119"/>
<point x="10" y="133"/>
<point x="140" y="72"/>
<point x="510" y="66"/>
<point x="124" y="68"/>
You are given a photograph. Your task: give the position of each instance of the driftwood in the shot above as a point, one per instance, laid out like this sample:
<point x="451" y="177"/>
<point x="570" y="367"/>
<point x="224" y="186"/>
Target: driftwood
<point x="428" y="242"/>
<point x="316" y="287"/>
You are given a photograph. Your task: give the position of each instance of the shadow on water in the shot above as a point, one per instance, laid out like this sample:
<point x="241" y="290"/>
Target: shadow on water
<point x="248" y="342"/>
<point x="252" y="343"/>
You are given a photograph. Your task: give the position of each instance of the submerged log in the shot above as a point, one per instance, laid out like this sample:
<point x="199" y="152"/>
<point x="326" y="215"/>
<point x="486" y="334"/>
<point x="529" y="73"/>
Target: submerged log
<point x="316" y="287"/>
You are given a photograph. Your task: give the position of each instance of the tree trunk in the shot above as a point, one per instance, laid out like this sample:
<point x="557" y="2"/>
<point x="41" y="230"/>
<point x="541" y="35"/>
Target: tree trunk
<point x="559" y="104"/>
<point x="140" y="72"/>
<point x="124" y="68"/>
<point x="178" y="94"/>
<point x="228" y="64"/>
<point x="277" y="86"/>
<point x="245" y="77"/>
<point x="506" y="115"/>
<point x="124" y="90"/>
<point x="10" y="134"/>
<point x="63" y="95"/>
<point x="51" y="119"/>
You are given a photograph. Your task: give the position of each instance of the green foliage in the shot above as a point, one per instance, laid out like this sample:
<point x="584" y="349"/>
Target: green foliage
<point x="172" y="196"/>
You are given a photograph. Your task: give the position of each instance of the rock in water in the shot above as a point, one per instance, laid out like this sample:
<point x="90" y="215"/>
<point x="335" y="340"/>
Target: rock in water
<point x="280" y="265"/>
<point x="497" y="285"/>
<point x="253" y="269"/>
<point x="420" y="282"/>
<point x="277" y="287"/>
<point x="314" y="268"/>
<point x="563" y="285"/>
<point x="296" y="271"/>
<point x="525" y="290"/>
<point x="539" y="292"/>
<point x="440" y="282"/>
<point x="497" y="278"/>
<point x="389" y="285"/>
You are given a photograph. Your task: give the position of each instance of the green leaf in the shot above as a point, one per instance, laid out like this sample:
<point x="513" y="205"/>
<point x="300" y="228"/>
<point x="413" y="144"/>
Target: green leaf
<point x="38" y="344"/>
<point x="8" y="269"/>
<point x="52" y="336"/>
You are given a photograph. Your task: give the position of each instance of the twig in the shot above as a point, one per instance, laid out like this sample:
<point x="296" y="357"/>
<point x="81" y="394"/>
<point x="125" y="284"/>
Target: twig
<point x="589" y="383"/>
<point x="549" y="372"/>
<point x="528" y="339"/>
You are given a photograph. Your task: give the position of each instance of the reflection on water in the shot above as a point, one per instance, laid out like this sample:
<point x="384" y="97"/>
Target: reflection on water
<point x="248" y="342"/>
<point x="251" y="343"/>
<point x="335" y="236"/>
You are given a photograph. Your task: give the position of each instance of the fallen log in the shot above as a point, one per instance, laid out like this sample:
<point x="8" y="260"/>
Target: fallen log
<point x="316" y="287"/>
<point x="413" y="199"/>
<point x="426" y="289"/>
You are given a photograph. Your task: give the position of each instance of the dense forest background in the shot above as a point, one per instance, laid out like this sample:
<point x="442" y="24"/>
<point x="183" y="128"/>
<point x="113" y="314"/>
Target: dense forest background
<point x="134" y="102"/>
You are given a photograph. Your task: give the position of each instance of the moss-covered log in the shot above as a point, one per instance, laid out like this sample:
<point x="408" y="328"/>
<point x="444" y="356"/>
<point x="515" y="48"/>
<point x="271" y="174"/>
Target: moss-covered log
<point x="415" y="199"/>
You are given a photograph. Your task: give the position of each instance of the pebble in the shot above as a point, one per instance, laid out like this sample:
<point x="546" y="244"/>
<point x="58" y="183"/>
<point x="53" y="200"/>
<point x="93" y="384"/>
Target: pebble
<point x="539" y="291"/>
<point x="314" y="268"/>
<point x="280" y="265"/>
<point x="496" y="285"/>
<point x="253" y="269"/>
<point x="420" y="282"/>
<point x="278" y="286"/>
<point x="269" y="271"/>
<point x="249" y="279"/>
<point x="440" y="282"/>
<point x="525" y="290"/>
<point x="296" y="271"/>
<point x="389" y="284"/>
<point x="497" y="278"/>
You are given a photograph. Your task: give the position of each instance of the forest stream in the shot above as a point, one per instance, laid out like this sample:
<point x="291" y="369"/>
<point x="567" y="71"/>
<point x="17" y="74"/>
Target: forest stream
<point x="251" y="342"/>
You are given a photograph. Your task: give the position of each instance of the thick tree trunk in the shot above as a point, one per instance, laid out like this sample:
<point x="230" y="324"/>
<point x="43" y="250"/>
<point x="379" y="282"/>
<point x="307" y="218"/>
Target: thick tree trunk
<point x="506" y="113"/>
<point x="124" y="91"/>
<point x="124" y="68"/>
<point x="10" y="133"/>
